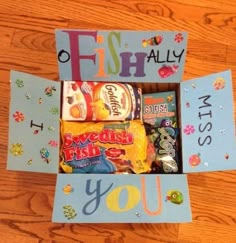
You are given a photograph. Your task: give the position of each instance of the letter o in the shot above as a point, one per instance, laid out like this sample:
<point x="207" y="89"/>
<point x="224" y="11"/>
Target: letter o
<point x="65" y="54"/>
<point x="112" y="199"/>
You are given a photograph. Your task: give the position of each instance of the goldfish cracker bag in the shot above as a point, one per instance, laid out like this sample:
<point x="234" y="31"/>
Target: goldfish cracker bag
<point x="98" y="147"/>
<point x="92" y="101"/>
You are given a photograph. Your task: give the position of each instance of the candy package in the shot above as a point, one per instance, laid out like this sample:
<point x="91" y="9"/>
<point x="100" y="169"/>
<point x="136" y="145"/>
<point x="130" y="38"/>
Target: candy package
<point x="93" y="101"/>
<point x="162" y="149"/>
<point x="159" y="109"/>
<point x="103" y="147"/>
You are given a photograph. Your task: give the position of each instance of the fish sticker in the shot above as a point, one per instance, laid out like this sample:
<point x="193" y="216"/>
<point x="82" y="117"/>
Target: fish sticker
<point x="175" y="197"/>
<point x="194" y="160"/>
<point x="45" y="155"/>
<point x="67" y="189"/>
<point x="154" y="41"/>
<point x="165" y="71"/>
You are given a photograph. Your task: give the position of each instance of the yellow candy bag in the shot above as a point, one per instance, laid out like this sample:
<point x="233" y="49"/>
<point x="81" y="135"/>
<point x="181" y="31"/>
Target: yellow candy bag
<point x="103" y="147"/>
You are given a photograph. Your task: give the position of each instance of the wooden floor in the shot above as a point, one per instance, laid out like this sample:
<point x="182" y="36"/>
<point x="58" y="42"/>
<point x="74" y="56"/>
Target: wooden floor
<point x="27" y="44"/>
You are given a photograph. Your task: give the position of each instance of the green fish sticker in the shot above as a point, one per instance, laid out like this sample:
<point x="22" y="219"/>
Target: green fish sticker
<point x="175" y="197"/>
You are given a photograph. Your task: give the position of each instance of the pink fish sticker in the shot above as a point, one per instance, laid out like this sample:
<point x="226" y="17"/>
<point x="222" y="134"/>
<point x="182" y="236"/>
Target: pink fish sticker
<point x="165" y="71"/>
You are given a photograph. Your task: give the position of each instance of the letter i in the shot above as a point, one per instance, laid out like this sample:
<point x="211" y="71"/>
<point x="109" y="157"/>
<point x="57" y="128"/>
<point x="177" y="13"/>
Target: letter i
<point x="101" y="59"/>
<point x="36" y="125"/>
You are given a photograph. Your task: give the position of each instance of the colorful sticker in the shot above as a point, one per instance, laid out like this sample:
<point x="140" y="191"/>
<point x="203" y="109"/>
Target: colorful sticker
<point x="45" y="155"/>
<point x="189" y="129"/>
<point x="16" y="149"/>
<point x="36" y="131"/>
<point x="20" y="83"/>
<point x="195" y="160"/>
<point x="30" y="161"/>
<point x="179" y="38"/>
<point x="154" y="41"/>
<point x="49" y="90"/>
<point x="53" y="143"/>
<point x="67" y="189"/>
<point x="18" y="116"/>
<point x="187" y="104"/>
<point x="69" y="212"/>
<point x="166" y="70"/>
<point x="219" y="83"/>
<point x="175" y="197"/>
<point x="170" y="98"/>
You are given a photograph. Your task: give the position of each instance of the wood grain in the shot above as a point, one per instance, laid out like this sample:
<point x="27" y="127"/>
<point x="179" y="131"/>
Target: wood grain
<point x="27" y="43"/>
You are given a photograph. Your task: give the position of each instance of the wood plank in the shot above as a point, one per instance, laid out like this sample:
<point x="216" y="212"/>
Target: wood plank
<point x="34" y="40"/>
<point x="43" y="64"/>
<point x="207" y="232"/>
<point x="6" y="35"/>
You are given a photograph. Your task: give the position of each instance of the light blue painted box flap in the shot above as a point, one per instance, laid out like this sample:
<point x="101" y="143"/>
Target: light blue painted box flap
<point x="124" y="56"/>
<point x="208" y="127"/>
<point x="121" y="198"/>
<point x="34" y="123"/>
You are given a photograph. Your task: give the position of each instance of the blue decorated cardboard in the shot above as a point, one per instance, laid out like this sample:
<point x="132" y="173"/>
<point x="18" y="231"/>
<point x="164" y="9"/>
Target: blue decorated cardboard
<point x="34" y="126"/>
<point x="208" y="128"/>
<point x="121" y="198"/>
<point x="206" y="125"/>
<point x="122" y="56"/>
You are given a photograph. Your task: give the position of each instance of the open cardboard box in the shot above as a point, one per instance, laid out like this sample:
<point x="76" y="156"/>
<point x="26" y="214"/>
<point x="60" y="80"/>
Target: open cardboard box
<point x="153" y="61"/>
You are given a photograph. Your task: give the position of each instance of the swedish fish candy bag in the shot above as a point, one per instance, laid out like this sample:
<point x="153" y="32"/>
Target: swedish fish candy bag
<point x="103" y="147"/>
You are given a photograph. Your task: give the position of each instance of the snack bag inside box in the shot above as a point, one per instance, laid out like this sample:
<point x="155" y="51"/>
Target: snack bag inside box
<point x="98" y="147"/>
<point x="159" y="109"/>
<point x="93" y="101"/>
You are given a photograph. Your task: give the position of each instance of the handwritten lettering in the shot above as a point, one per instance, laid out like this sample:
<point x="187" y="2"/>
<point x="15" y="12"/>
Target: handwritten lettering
<point x="170" y="57"/>
<point x="97" y="196"/>
<point x="204" y="114"/>
<point x="108" y="58"/>
<point x="114" y="200"/>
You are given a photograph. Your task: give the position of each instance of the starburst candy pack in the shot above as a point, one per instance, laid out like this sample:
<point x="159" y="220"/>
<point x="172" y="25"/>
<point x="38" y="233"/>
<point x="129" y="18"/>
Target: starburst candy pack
<point x="92" y="127"/>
